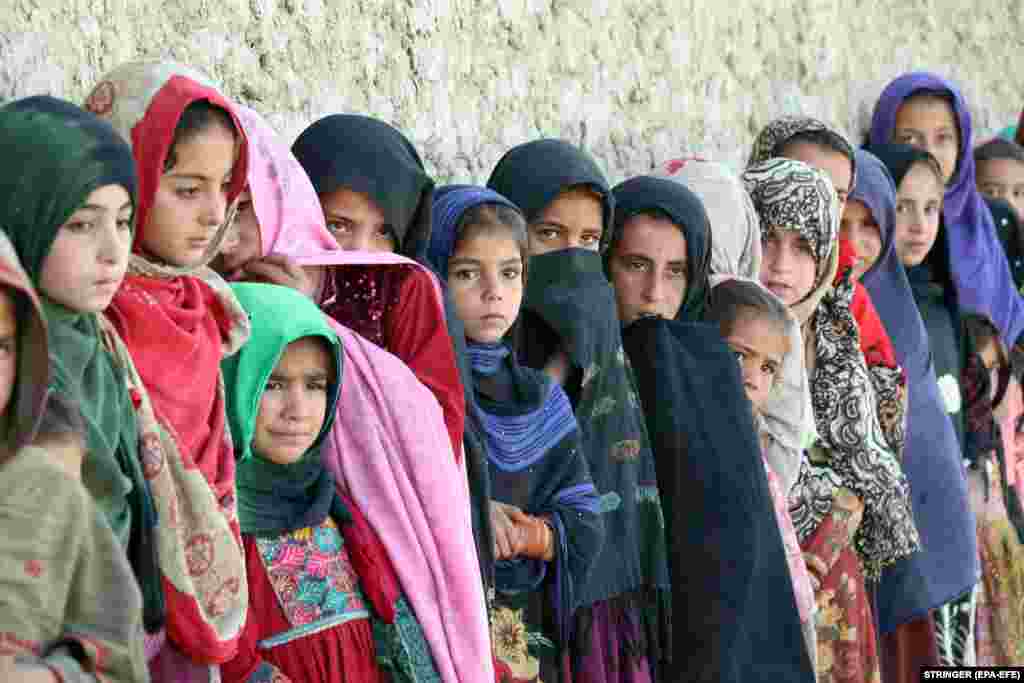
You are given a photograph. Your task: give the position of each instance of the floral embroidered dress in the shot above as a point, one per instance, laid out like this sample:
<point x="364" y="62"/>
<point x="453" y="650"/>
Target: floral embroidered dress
<point x="325" y="603"/>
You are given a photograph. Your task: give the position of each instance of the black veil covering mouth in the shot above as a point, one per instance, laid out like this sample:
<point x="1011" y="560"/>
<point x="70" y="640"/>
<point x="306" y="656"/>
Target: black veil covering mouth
<point x="734" y="611"/>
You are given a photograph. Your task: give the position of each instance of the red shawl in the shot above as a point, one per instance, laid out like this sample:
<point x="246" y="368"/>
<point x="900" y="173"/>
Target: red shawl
<point x="874" y="340"/>
<point x="176" y="328"/>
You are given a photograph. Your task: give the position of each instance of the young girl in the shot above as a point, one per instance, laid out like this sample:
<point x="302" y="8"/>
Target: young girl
<point x="70" y="608"/>
<point x="756" y="326"/>
<point x="74" y="240"/>
<point x="736" y="251"/>
<point x="322" y="589"/>
<point x="178" y="319"/>
<point x="550" y="530"/>
<point x="411" y="490"/>
<point x="377" y="197"/>
<point x="657" y="258"/>
<point x="986" y="379"/>
<point x="929" y="112"/>
<point x="844" y="476"/>
<point x="571" y="329"/>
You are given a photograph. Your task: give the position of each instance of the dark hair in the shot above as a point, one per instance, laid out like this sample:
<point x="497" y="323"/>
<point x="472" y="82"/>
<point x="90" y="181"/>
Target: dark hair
<point x="980" y="332"/>
<point x="824" y="138"/>
<point x="492" y="218"/>
<point x="199" y="116"/>
<point x="61" y="421"/>
<point x="733" y="300"/>
<point x="932" y="164"/>
<point x="999" y="148"/>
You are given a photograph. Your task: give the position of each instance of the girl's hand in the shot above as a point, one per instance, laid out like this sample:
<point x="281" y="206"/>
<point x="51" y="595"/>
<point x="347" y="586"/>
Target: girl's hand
<point x="506" y="534"/>
<point x="278" y="269"/>
<point x="558" y="366"/>
<point x="537" y="540"/>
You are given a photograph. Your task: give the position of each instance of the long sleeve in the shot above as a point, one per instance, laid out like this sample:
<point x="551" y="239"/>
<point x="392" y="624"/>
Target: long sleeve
<point x="835" y="533"/>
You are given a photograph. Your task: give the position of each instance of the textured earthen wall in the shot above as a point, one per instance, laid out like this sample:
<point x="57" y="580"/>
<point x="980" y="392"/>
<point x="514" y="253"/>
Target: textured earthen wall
<point x="634" y="80"/>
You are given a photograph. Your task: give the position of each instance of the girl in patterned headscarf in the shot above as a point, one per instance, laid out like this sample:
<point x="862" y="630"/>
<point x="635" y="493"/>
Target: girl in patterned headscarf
<point x="850" y="504"/>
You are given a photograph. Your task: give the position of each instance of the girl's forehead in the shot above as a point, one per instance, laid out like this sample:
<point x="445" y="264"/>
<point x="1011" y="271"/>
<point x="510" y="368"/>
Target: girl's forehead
<point x="926" y="111"/>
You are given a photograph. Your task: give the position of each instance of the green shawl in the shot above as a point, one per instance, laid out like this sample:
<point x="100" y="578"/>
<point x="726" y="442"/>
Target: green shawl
<point x="64" y="153"/>
<point x="275" y="499"/>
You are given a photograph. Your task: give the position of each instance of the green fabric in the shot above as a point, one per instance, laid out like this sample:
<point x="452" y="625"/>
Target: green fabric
<point x="274" y="498"/>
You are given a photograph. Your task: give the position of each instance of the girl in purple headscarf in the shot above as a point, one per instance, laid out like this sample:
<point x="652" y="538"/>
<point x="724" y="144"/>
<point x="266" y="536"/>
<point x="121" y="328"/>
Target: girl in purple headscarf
<point x="929" y="112"/>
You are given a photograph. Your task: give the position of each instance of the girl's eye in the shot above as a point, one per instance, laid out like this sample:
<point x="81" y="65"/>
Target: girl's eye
<point x="318" y="386"/>
<point x="677" y="273"/>
<point x="124" y="224"/>
<point x="339" y="227"/>
<point x="769" y="369"/>
<point x="805" y="247"/>
<point x="511" y="273"/>
<point x="7" y="347"/>
<point x="637" y="265"/>
<point x="79" y="226"/>
<point x="466" y="275"/>
<point x="187" y="192"/>
<point x="275" y="386"/>
<point x="384" y="232"/>
<point x="740" y="356"/>
<point x="902" y="207"/>
<point x="590" y="240"/>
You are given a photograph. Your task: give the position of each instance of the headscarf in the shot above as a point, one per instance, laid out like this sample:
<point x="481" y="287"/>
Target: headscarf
<point x="451" y="203"/>
<point x="569" y="303"/>
<point x="852" y="449"/>
<point x="366" y="155"/>
<point x="790" y="195"/>
<point x="980" y="271"/>
<point x="283" y="198"/>
<point x="180" y="322"/>
<point x="932" y="456"/>
<point x="274" y="499"/>
<point x="31" y="389"/>
<point x="736" y="230"/>
<point x="534" y="173"/>
<point x="774" y="138"/>
<point x="411" y="491"/>
<point x="1008" y="228"/>
<point x="734" y="613"/>
<point x="685" y="209"/>
<point x="69" y="153"/>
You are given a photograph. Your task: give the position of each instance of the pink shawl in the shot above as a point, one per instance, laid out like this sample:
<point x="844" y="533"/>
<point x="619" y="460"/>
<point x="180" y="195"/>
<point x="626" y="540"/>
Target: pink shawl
<point x="389" y="447"/>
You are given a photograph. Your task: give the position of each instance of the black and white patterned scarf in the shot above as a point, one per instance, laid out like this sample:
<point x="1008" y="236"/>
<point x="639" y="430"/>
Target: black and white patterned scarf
<point x="851" y="449"/>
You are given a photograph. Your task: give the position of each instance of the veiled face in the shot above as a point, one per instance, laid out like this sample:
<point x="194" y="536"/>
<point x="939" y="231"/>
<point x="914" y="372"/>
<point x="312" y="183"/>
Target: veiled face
<point x="357" y="222"/>
<point x="574" y="219"/>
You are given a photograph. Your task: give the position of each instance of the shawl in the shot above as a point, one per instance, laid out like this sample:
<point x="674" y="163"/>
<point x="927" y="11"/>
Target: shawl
<point x="851" y="450"/>
<point x="274" y="499"/>
<point x="534" y="173"/>
<point x="283" y="198"/>
<point x="451" y="203"/>
<point x="931" y="458"/>
<point x="405" y="495"/>
<point x="734" y="612"/>
<point x="366" y="155"/>
<point x="980" y="271"/>
<point x="67" y="597"/>
<point x="736" y="251"/>
<point x="179" y="322"/>
<point x="736" y="247"/>
<point x="774" y="137"/>
<point x="38" y="199"/>
<point x="684" y="208"/>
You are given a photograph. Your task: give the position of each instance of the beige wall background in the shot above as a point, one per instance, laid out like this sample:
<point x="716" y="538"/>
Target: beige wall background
<point x="635" y="81"/>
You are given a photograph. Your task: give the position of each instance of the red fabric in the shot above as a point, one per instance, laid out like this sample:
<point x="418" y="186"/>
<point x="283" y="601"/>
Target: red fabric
<point x="341" y="654"/>
<point x="416" y="331"/>
<point x="1020" y="129"/>
<point x="371" y="562"/>
<point x="173" y="330"/>
<point x="874" y="340"/>
<point x="152" y="136"/>
<point x="907" y="649"/>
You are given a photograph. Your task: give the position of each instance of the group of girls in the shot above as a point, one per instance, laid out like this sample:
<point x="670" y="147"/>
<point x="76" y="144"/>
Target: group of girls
<point x="283" y="414"/>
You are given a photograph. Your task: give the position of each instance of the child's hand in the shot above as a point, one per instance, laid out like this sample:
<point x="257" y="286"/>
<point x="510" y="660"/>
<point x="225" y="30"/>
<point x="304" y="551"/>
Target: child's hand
<point x="278" y="269"/>
<point x="506" y="534"/>
<point x="537" y="540"/>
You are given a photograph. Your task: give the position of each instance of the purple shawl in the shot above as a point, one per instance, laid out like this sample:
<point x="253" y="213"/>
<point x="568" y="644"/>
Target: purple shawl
<point x="980" y="271"/>
<point x="947" y="565"/>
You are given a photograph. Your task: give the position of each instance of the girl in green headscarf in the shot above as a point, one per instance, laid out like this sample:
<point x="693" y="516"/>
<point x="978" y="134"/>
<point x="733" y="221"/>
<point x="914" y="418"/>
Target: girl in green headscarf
<point x="324" y="601"/>
<point x="67" y="207"/>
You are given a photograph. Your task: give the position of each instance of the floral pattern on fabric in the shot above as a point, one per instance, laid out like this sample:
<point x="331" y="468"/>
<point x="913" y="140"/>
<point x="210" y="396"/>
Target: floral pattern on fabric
<point x="360" y="296"/>
<point x="518" y="648"/>
<point x="854" y="447"/>
<point x="312" y="575"/>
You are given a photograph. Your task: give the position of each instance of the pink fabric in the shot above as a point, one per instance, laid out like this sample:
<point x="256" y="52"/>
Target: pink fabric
<point x="802" y="588"/>
<point x="389" y="447"/>
<point x="289" y="213"/>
